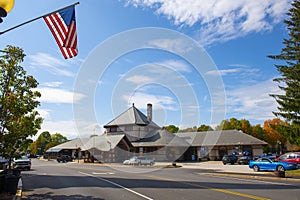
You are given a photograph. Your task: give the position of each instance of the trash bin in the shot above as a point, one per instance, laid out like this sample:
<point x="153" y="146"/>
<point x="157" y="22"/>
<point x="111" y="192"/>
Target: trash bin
<point x="11" y="184"/>
<point x="2" y="182"/>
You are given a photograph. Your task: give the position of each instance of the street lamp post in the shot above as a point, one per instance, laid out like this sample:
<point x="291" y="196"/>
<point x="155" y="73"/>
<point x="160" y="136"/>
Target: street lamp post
<point x="279" y="149"/>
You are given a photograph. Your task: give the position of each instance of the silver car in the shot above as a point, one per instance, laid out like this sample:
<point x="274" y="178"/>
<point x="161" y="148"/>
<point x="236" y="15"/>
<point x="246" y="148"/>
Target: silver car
<point x="22" y="163"/>
<point x="140" y="160"/>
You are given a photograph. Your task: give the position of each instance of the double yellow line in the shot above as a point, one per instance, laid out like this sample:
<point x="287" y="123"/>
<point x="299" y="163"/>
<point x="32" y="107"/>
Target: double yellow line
<point x="210" y="188"/>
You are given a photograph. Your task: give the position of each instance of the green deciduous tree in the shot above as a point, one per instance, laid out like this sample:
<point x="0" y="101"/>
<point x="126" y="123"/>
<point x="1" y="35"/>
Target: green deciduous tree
<point x="18" y="101"/>
<point x="204" y="127"/>
<point x="46" y="141"/>
<point x="258" y="132"/>
<point x="230" y="124"/>
<point x="42" y="141"/>
<point x="289" y="82"/>
<point x="171" y="128"/>
<point x="58" y="138"/>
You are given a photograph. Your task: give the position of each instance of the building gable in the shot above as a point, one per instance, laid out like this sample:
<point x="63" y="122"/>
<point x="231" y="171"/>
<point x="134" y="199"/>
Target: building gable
<point x="132" y="116"/>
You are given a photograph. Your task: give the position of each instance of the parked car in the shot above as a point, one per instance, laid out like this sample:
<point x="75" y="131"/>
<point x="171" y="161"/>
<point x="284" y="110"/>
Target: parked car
<point x="22" y="163"/>
<point x="266" y="155"/>
<point x="139" y="160"/>
<point x="126" y="162"/>
<point x="3" y="163"/>
<point x="293" y="157"/>
<point x="229" y="159"/>
<point x="64" y="158"/>
<point x="244" y="160"/>
<point x="266" y="164"/>
<point x="32" y="156"/>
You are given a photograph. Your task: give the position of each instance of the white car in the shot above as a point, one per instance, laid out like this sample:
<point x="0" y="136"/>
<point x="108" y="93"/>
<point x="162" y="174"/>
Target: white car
<point x="126" y="162"/>
<point x="139" y="160"/>
<point x="22" y="163"/>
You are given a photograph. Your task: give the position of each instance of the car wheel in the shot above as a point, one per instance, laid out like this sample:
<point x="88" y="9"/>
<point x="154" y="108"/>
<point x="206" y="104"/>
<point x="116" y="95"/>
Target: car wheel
<point x="255" y="168"/>
<point x="280" y="168"/>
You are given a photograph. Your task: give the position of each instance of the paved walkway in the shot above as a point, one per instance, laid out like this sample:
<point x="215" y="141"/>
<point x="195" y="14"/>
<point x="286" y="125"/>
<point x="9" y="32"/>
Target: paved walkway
<point x="217" y="168"/>
<point x="213" y="166"/>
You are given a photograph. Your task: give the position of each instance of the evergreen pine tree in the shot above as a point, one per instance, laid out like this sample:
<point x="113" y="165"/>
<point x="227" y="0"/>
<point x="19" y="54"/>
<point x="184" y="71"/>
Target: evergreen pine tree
<point x="289" y="82"/>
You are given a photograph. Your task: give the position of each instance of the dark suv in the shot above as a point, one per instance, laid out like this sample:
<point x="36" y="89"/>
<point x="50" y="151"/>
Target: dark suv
<point x="64" y="158"/>
<point x="229" y="159"/>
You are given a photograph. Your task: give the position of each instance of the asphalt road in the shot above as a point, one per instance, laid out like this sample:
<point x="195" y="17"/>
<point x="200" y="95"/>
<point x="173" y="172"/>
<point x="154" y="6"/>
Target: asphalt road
<point x="52" y="180"/>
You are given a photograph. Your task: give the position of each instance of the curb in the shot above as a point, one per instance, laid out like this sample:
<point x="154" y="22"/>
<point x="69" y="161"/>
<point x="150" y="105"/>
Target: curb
<point x="252" y="176"/>
<point x="19" y="192"/>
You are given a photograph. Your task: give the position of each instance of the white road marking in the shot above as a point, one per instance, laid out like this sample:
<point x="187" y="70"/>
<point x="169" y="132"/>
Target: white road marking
<point x="103" y="173"/>
<point x="118" y="185"/>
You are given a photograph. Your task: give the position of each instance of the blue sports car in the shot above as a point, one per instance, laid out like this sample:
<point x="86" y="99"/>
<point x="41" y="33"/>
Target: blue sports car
<point x="265" y="164"/>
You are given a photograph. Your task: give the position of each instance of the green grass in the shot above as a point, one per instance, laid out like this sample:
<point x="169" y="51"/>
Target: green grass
<point x="293" y="172"/>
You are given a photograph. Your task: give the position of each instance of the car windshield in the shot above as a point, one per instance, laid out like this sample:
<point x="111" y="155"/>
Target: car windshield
<point x="22" y="158"/>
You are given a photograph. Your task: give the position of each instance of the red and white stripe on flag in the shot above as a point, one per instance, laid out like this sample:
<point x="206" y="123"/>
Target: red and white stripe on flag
<point x="64" y="35"/>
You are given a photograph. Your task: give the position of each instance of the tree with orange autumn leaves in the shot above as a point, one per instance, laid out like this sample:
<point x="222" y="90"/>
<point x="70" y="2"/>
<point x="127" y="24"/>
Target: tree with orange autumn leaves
<point x="274" y="134"/>
<point x="274" y="131"/>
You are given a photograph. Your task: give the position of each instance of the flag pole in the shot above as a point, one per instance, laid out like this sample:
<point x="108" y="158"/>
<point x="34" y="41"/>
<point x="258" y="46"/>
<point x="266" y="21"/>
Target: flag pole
<point x="38" y="18"/>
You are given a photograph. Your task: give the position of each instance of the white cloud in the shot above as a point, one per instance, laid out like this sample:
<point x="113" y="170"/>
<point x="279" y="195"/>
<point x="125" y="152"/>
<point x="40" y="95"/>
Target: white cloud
<point x="154" y="70"/>
<point x="175" y="45"/>
<point x="54" y="95"/>
<point x="139" y="79"/>
<point x="45" y="114"/>
<point x="53" y="84"/>
<point x="220" y="20"/>
<point x="237" y="74"/>
<point x="45" y="60"/>
<point x="176" y="65"/>
<point x="222" y="72"/>
<point x="158" y="101"/>
<point x="253" y="102"/>
<point x="66" y="128"/>
<point x="50" y="63"/>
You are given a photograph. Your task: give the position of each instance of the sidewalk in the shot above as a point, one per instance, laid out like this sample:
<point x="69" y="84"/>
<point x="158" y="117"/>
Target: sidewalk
<point x="240" y="171"/>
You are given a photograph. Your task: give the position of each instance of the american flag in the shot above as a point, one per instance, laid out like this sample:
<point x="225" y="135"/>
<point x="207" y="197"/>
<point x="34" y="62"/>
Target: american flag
<point x="62" y="24"/>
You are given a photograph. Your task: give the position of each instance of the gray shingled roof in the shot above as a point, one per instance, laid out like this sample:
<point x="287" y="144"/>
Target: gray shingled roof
<point x="224" y="137"/>
<point x="72" y="144"/>
<point x="164" y="138"/>
<point x="161" y="138"/>
<point x="129" y="117"/>
<point x="103" y="142"/>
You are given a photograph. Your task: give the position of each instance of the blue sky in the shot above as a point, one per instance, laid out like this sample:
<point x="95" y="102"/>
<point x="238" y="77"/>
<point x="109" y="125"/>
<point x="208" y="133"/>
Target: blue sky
<point x="230" y="76"/>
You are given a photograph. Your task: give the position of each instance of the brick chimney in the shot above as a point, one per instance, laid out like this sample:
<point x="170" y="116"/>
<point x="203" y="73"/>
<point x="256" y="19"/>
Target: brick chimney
<point x="149" y="112"/>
